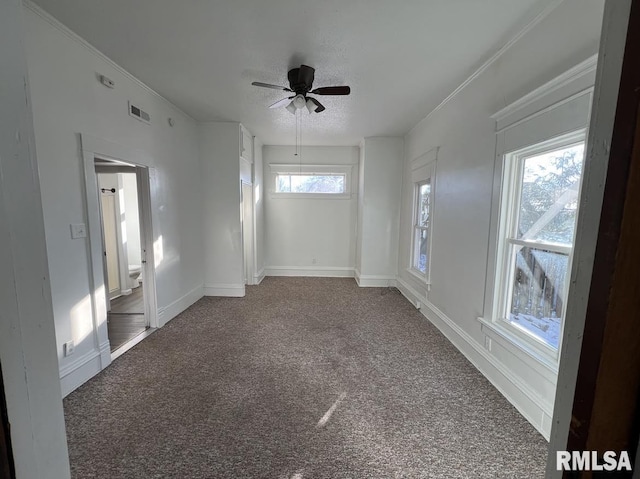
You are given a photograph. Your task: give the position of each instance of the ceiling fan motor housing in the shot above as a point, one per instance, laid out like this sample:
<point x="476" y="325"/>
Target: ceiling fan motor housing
<point x="301" y="79"/>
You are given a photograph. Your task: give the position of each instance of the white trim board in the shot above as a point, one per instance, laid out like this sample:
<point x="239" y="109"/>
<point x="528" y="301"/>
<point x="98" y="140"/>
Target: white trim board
<point x="173" y="309"/>
<point x="527" y="401"/>
<point x="28" y="4"/>
<point x="563" y="87"/>
<point x="312" y="271"/>
<point x="374" y="281"/>
<point x="495" y="57"/>
<point x="230" y="290"/>
<point x="258" y="277"/>
<point x="75" y="374"/>
<point x="578" y="78"/>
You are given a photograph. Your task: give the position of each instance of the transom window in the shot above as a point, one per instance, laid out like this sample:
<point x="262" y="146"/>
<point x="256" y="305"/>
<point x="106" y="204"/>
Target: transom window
<point x="540" y="207"/>
<point x="330" y="184"/>
<point x="310" y="181"/>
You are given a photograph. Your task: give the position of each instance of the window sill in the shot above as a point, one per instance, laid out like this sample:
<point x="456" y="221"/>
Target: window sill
<point x="535" y="353"/>
<point x="420" y="277"/>
<point x="311" y="196"/>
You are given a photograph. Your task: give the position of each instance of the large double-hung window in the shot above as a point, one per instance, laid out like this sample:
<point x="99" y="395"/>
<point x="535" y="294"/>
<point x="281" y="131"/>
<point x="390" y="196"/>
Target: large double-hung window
<point x="539" y="208"/>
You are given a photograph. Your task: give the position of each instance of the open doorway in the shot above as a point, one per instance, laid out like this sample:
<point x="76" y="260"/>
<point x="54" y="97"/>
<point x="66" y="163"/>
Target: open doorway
<point x="123" y="246"/>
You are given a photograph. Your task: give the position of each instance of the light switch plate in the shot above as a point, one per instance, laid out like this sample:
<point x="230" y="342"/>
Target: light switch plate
<point x="78" y="231"/>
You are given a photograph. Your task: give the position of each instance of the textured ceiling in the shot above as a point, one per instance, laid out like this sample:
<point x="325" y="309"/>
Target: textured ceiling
<point x="401" y="58"/>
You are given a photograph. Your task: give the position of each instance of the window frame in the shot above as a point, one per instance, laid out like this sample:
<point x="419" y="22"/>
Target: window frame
<point x="423" y="171"/>
<point x="417" y="229"/>
<point x="511" y="188"/>
<point x="318" y="170"/>
<point x="314" y="175"/>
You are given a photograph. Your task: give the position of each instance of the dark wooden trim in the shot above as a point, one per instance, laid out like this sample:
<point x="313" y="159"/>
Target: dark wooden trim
<point x="7" y="470"/>
<point x="605" y="408"/>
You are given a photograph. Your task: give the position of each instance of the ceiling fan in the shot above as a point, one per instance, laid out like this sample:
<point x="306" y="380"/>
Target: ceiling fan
<point x="301" y="84"/>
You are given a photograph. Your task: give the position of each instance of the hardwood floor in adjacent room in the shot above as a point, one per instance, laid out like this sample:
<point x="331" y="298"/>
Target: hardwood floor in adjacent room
<point x="126" y="319"/>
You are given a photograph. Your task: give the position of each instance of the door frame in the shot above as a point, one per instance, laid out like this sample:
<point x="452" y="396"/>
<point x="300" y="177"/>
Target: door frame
<point x="7" y="468"/>
<point x="96" y="148"/>
<point x="249" y="264"/>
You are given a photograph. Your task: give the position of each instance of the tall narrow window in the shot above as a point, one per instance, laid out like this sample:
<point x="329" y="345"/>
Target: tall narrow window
<point x="421" y="234"/>
<point x="540" y="206"/>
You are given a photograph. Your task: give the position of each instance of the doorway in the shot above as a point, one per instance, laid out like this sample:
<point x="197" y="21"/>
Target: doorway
<point x="247" y="232"/>
<point x="6" y="459"/>
<point x="124" y="252"/>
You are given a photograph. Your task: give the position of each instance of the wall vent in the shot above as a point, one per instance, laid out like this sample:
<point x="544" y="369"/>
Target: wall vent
<point x="139" y="113"/>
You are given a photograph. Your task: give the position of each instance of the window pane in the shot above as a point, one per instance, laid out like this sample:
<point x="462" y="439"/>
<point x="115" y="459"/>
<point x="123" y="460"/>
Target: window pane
<point x="329" y="184"/>
<point x="537" y="294"/>
<point x="424" y="206"/>
<point x="283" y="184"/>
<point x="420" y="253"/>
<point x="549" y="195"/>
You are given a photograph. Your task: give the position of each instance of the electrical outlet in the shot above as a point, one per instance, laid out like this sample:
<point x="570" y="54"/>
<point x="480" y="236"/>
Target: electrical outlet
<point x="68" y="348"/>
<point x="487" y="343"/>
<point x="78" y="231"/>
<point x="314" y="261"/>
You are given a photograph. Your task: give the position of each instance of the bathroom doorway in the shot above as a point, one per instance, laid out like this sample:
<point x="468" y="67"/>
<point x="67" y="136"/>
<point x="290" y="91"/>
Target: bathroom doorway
<point x="119" y="193"/>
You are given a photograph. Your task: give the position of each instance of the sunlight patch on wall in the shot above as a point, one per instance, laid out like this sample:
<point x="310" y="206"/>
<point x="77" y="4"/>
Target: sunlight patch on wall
<point x="158" y="251"/>
<point x="81" y="320"/>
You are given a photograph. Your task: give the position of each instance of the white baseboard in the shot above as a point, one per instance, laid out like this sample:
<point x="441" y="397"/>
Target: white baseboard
<point x="316" y="271"/>
<point x="167" y="313"/>
<point x="374" y="281"/>
<point x="513" y="388"/>
<point x="257" y="278"/>
<point x="223" y="289"/>
<point x="91" y="363"/>
<point x="79" y="371"/>
<point x="410" y="293"/>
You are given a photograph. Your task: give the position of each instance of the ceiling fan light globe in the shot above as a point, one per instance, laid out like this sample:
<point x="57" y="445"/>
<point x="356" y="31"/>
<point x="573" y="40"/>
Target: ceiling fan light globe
<point x="292" y="108"/>
<point x="311" y="106"/>
<point x="299" y="102"/>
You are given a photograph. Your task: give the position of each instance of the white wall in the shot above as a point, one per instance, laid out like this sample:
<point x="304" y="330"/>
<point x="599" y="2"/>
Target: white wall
<point x="301" y="230"/>
<point x="27" y="336"/>
<point x="465" y="132"/>
<point x="379" y="194"/>
<point x="223" y="249"/>
<point x="68" y="99"/>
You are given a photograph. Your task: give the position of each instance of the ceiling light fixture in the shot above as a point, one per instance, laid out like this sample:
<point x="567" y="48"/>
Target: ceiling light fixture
<point x="311" y="106"/>
<point x="300" y="102"/>
<point x="291" y="108"/>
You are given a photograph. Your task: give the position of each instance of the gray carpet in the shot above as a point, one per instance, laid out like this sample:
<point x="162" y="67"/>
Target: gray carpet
<point x="303" y="378"/>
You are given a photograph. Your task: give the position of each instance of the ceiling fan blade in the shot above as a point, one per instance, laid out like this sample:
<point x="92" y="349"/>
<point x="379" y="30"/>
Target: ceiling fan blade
<point x="306" y="75"/>
<point x="280" y="103"/>
<point x="269" y="85"/>
<point x="332" y="90"/>
<point x="318" y="104"/>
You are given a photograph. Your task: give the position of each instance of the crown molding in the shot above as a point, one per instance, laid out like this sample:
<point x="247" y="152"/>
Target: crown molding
<point x="495" y="57"/>
<point x="580" y="70"/>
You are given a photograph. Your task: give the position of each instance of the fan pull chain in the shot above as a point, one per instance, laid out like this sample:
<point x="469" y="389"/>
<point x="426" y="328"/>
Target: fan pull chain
<point x="300" y="151"/>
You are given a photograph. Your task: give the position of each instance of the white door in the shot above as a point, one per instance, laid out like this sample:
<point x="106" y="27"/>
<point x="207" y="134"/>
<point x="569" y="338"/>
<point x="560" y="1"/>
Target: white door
<point x="109" y="228"/>
<point x="247" y="231"/>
